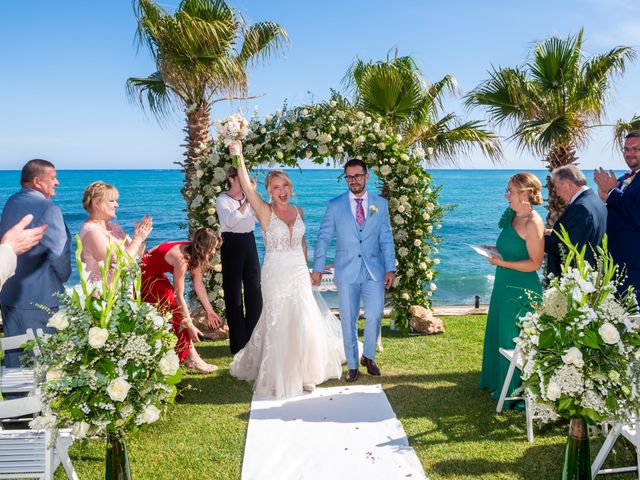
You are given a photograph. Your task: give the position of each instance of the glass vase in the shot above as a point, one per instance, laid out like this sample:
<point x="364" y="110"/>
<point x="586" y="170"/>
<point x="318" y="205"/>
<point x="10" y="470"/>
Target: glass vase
<point x="577" y="457"/>
<point x="117" y="460"/>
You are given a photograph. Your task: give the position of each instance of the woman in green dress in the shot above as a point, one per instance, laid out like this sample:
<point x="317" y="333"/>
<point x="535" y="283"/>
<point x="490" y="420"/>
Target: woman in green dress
<point x="521" y="246"/>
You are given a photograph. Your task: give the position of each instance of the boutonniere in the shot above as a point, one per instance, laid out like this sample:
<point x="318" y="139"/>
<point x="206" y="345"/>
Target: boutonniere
<point x="373" y="209"/>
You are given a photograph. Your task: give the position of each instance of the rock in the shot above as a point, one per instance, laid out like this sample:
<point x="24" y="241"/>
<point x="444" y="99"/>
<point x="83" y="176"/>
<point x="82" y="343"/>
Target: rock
<point x="422" y="320"/>
<point x="199" y="318"/>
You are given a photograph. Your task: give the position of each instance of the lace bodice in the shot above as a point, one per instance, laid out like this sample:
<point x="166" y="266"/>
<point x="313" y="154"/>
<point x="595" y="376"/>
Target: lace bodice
<point x="279" y="238"/>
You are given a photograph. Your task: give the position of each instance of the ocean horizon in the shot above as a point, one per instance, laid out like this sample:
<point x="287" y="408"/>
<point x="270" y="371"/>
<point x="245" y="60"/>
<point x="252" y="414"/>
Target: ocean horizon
<point x="475" y="198"/>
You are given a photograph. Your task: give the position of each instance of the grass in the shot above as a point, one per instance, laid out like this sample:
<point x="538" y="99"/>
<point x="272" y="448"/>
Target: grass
<point x="430" y="382"/>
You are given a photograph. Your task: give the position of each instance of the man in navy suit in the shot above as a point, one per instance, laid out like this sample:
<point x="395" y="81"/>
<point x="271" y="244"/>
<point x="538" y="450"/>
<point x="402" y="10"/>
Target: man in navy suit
<point x="585" y="218"/>
<point x="622" y="196"/>
<point x="41" y="272"/>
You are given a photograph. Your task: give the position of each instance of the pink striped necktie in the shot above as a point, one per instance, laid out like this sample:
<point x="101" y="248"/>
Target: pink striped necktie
<point x="359" y="212"/>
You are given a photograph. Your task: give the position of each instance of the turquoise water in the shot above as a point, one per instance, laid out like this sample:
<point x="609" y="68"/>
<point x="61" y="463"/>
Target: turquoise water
<point x="476" y="195"/>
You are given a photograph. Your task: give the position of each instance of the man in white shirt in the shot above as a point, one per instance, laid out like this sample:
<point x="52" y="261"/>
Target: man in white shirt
<point x="585" y="217"/>
<point x="17" y="241"/>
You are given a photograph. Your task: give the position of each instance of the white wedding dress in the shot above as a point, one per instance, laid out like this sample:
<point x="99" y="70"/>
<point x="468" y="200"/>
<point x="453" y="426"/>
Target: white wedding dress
<point x="294" y="343"/>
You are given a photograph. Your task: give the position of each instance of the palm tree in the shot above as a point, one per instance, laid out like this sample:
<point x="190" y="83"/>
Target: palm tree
<point x="201" y="54"/>
<point x="553" y="101"/>
<point x="396" y="90"/>
<point x="622" y="128"/>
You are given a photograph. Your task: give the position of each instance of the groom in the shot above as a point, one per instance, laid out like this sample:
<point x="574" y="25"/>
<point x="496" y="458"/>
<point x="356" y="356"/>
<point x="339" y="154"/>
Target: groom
<point x="364" y="264"/>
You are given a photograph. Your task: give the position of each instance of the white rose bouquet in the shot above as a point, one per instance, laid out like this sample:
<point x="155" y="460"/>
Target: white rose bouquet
<point x="581" y="344"/>
<point x="232" y="129"/>
<point x="110" y="367"/>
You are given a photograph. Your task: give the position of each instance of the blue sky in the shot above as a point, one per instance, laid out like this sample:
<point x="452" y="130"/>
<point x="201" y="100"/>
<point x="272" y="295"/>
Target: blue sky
<point x="64" y="66"/>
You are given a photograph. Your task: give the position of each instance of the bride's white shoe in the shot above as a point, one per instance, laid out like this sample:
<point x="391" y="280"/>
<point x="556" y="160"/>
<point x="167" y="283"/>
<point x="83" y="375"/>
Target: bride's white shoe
<point x="308" y="387"/>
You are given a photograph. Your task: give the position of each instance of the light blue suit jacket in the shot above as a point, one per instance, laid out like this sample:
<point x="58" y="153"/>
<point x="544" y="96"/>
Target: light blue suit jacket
<point x="42" y="271"/>
<point x="371" y="244"/>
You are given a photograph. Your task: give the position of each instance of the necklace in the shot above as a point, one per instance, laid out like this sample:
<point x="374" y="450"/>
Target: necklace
<point x="242" y="196"/>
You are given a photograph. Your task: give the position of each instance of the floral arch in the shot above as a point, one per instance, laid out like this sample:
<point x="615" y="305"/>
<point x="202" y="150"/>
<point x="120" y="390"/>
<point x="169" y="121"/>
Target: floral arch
<point x="334" y="132"/>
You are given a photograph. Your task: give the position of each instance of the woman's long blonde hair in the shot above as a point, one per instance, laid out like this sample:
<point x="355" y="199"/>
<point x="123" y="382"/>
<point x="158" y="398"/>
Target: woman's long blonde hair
<point x="528" y="183"/>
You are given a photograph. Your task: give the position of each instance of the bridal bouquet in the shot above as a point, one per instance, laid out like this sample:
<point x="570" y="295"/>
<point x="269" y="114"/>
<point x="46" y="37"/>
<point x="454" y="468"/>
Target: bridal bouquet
<point x="581" y="344"/>
<point x="232" y="129"/>
<point x="110" y="367"/>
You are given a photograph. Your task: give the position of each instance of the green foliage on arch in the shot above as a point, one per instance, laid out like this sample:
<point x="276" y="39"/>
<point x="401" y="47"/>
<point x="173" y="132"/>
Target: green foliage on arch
<point x="334" y="132"/>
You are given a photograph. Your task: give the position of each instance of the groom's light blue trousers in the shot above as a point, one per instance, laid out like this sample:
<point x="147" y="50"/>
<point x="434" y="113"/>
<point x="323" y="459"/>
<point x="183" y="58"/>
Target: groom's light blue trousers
<point x="349" y="295"/>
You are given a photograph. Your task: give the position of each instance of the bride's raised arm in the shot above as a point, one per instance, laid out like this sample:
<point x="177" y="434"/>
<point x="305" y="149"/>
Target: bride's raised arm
<point x="260" y="207"/>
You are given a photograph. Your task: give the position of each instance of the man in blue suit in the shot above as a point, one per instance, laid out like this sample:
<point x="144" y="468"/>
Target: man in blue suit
<point x="622" y="196"/>
<point x="364" y="263"/>
<point x="585" y="218"/>
<point x="41" y="272"/>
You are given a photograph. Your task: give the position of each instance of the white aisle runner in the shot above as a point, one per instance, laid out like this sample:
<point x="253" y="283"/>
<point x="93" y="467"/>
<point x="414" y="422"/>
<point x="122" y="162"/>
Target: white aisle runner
<point x="336" y="433"/>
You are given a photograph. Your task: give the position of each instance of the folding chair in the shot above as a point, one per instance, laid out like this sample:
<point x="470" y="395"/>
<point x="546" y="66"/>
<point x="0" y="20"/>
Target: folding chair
<point x="629" y="430"/>
<point x="515" y="361"/>
<point x="31" y="453"/>
<point x="18" y="379"/>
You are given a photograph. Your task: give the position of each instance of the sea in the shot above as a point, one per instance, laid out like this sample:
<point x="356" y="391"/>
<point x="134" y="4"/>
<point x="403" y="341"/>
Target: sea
<point x="475" y="201"/>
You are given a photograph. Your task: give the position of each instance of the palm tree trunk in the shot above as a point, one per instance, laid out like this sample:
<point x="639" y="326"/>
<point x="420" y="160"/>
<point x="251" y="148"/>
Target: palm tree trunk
<point x="198" y="140"/>
<point x="560" y="155"/>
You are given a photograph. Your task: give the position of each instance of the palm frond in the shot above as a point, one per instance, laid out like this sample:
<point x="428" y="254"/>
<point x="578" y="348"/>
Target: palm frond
<point x="595" y="79"/>
<point x="152" y="93"/>
<point x="448" y="140"/>
<point x="389" y="91"/>
<point x="504" y="95"/>
<point x="261" y="40"/>
<point x="623" y="127"/>
<point x="555" y="65"/>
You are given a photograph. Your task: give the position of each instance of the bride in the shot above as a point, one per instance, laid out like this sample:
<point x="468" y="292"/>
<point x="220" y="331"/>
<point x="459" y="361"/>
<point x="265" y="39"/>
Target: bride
<point x="294" y="346"/>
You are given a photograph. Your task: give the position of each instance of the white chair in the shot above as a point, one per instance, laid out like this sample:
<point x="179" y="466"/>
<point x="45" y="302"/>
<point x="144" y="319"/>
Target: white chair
<point x="515" y="361"/>
<point x="629" y="430"/>
<point x="18" y="379"/>
<point x="31" y="453"/>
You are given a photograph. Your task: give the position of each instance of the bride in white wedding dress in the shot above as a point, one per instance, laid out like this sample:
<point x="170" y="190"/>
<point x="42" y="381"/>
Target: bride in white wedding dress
<point x="294" y="346"/>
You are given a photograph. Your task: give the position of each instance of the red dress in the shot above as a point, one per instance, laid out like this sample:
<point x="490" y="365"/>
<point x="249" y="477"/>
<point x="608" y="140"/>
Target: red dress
<point x="158" y="290"/>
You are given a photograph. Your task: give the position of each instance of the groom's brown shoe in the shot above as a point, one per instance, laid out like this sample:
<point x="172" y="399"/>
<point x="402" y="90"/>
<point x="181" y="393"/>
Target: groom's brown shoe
<point x="352" y="375"/>
<point x="372" y="368"/>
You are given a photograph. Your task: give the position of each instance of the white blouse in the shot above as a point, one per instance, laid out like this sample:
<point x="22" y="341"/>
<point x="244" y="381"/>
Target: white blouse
<point x="231" y="218"/>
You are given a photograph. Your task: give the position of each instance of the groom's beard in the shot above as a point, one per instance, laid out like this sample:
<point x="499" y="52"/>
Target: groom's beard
<point x="356" y="188"/>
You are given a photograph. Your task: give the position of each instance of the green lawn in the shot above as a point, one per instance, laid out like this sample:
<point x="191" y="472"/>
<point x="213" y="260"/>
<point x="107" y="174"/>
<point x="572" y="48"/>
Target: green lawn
<point x="430" y="382"/>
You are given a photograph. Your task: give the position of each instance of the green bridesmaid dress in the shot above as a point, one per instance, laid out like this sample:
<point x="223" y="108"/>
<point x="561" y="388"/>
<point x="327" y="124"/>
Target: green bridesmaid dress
<point x="509" y="301"/>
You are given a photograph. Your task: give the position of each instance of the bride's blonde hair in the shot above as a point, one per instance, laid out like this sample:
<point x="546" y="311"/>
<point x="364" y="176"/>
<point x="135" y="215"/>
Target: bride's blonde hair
<point x="278" y="173"/>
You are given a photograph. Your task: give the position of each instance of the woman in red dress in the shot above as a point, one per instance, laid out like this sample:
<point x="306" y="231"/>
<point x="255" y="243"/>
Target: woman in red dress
<point x="178" y="258"/>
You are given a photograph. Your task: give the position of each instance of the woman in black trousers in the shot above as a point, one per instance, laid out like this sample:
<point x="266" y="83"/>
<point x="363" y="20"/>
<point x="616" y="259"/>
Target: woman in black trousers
<point x="240" y="265"/>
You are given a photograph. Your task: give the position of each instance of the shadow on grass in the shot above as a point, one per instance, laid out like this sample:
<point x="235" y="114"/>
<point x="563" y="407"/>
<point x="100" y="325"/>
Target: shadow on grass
<point x="524" y="466"/>
<point x="453" y="406"/>
<point x="217" y="389"/>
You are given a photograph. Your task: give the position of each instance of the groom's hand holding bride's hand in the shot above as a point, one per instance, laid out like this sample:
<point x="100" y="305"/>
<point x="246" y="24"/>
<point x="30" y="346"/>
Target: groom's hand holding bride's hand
<point x="389" y="277"/>
<point x="316" y="278"/>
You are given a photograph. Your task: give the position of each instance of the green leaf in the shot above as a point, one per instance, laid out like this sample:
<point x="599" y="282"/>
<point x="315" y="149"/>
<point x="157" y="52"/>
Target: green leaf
<point x="176" y="378"/>
<point x="547" y="338"/>
<point x="565" y="403"/>
<point x="591" y="415"/>
<point x="106" y="366"/>
<point x="590" y="339"/>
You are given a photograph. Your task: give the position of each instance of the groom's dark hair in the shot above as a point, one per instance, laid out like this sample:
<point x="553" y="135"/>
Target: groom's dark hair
<point x="356" y="162"/>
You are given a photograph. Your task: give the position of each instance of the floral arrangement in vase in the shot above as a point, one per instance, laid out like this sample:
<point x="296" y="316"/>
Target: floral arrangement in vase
<point x="581" y="346"/>
<point x="111" y="366"/>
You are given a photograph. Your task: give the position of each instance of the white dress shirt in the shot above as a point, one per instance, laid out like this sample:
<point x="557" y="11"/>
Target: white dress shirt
<point x="365" y="203"/>
<point x="578" y="193"/>
<point x="231" y="218"/>
<point x="8" y="261"/>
